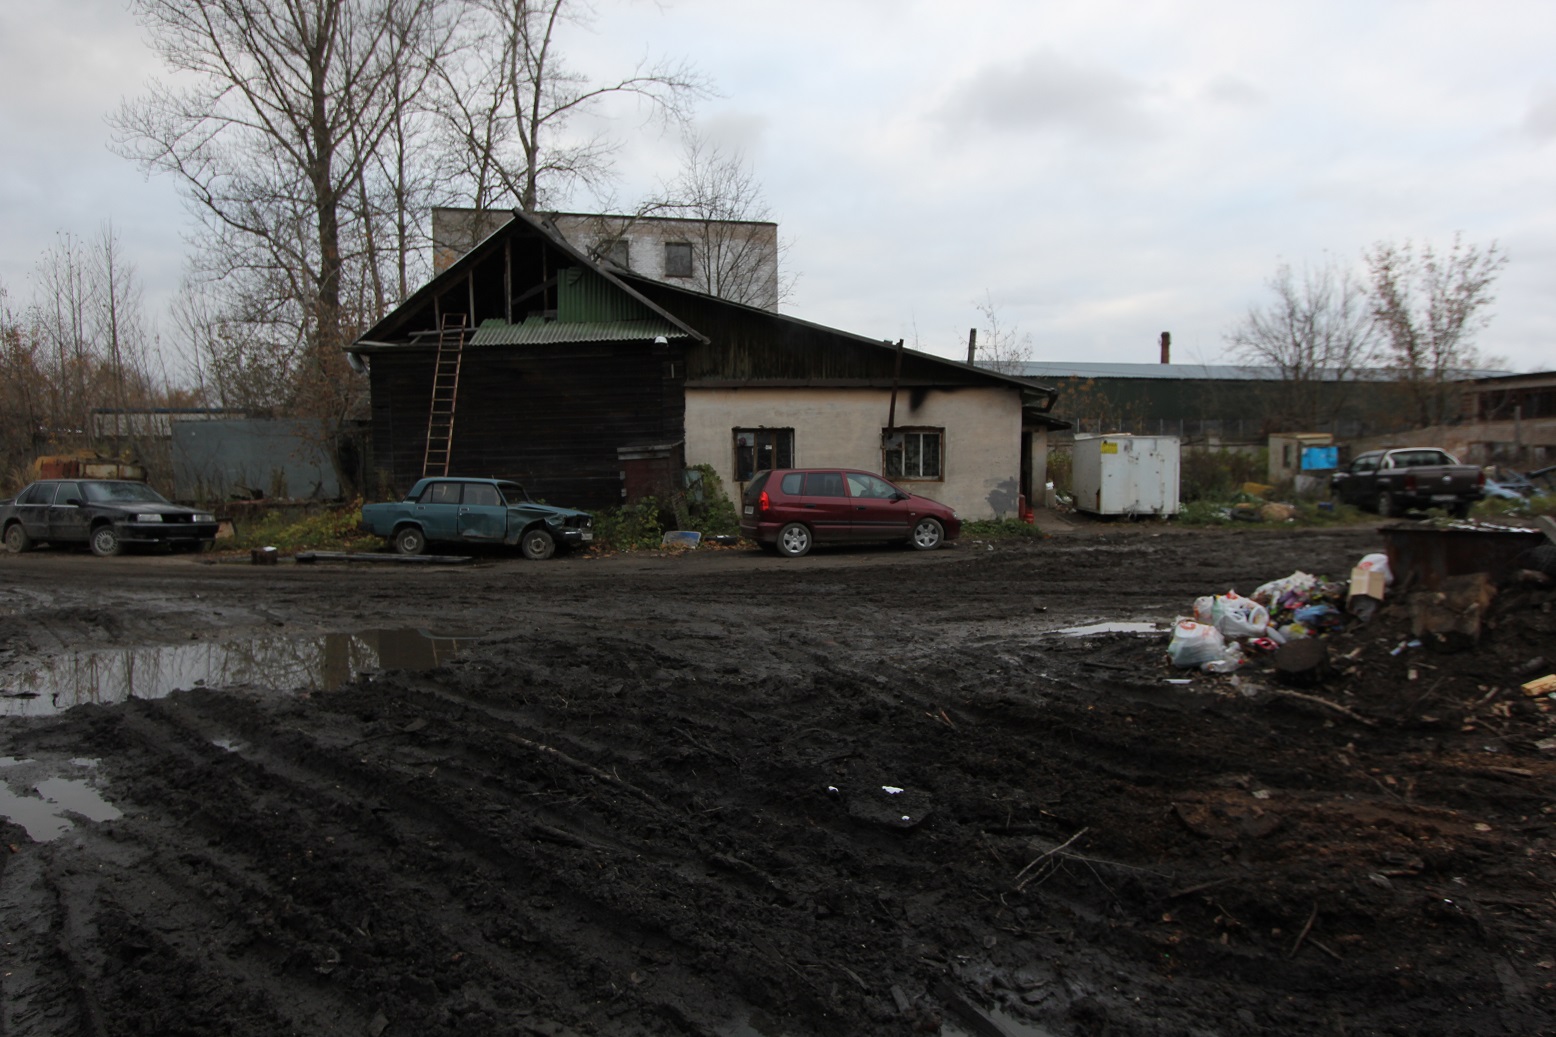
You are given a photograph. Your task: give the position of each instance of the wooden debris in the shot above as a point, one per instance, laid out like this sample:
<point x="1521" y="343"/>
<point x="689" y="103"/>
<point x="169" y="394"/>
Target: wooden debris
<point x="1345" y="710"/>
<point x="1451" y="616"/>
<point x="1307" y="928"/>
<point x="1540" y="685"/>
<point x="1020" y="883"/>
<point x="312" y="557"/>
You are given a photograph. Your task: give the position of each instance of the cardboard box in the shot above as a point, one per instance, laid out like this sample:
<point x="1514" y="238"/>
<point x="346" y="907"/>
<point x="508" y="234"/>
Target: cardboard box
<point x="1366" y="583"/>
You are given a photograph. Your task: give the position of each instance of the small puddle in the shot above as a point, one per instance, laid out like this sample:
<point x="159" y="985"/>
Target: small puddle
<point x="1111" y="628"/>
<point x="43" y="802"/>
<point x="315" y="663"/>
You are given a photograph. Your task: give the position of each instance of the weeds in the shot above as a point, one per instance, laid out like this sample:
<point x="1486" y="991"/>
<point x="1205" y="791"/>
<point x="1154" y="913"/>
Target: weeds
<point x="1501" y="507"/>
<point x="1000" y="529"/>
<point x="629" y="527"/>
<point x="330" y="529"/>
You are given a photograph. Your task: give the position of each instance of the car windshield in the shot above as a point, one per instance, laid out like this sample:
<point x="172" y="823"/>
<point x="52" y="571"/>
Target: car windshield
<point x="121" y="493"/>
<point x="515" y="493"/>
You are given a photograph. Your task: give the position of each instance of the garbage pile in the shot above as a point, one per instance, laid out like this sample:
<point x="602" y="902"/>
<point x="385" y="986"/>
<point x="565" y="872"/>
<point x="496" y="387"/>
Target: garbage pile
<point x="1227" y="628"/>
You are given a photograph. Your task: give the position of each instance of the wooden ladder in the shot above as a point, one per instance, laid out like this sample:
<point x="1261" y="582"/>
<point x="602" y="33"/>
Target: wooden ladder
<point x="445" y="391"/>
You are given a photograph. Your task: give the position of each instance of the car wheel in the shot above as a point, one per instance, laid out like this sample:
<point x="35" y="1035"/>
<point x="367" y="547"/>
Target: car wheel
<point x="1388" y="507"/>
<point x="537" y="544"/>
<point x="408" y="540"/>
<point x="16" y="539"/>
<point x="928" y="534"/>
<point x="794" y="540"/>
<point x="105" y="542"/>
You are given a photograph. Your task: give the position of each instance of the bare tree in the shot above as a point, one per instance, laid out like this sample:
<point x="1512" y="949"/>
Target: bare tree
<point x="287" y="103"/>
<point x="735" y="249"/>
<point x="510" y="103"/>
<point x="1318" y="332"/>
<point x="1000" y="347"/>
<point x="1429" y="306"/>
<point x="24" y="400"/>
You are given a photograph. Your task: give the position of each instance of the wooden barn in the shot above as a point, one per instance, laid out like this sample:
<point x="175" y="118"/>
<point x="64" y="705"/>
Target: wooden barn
<point x="590" y="385"/>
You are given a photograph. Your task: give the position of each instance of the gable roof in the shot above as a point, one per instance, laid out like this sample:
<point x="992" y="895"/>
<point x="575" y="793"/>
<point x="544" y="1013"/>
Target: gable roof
<point x="617" y="305"/>
<point x="644" y="318"/>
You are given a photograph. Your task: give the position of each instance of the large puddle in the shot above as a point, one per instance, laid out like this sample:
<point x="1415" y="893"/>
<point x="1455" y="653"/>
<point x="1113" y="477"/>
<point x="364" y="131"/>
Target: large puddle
<point x="44" y="801"/>
<point x="288" y="664"/>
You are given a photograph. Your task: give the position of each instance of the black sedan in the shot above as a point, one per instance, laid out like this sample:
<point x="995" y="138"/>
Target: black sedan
<point x="104" y="513"/>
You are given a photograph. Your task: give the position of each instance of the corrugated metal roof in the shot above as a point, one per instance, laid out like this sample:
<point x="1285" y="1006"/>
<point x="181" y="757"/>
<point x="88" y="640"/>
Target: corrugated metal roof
<point x="537" y="331"/>
<point x="1195" y="372"/>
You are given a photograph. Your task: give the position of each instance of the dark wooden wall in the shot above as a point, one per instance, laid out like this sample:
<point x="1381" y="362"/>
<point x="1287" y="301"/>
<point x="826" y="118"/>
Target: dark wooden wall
<point x="550" y="417"/>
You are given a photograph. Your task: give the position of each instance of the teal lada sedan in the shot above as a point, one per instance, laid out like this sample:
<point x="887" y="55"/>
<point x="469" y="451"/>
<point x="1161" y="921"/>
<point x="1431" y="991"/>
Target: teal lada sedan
<point x="476" y="511"/>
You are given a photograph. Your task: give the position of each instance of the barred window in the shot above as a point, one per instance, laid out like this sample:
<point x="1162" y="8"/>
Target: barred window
<point x="760" y="449"/>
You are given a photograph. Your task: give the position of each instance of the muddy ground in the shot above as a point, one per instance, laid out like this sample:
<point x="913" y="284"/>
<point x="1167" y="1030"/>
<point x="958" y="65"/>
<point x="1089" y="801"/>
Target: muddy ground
<point x="651" y="795"/>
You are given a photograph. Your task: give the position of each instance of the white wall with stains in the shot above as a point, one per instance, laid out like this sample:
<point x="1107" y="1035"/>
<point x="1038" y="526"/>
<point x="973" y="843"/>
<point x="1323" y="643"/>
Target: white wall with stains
<point x="981" y="448"/>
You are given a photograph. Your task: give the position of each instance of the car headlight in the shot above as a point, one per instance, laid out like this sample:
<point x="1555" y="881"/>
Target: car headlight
<point x="148" y="518"/>
<point x="201" y="516"/>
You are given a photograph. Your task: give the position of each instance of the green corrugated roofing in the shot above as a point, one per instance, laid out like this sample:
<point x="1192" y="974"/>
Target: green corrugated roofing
<point x="537" y="331"/>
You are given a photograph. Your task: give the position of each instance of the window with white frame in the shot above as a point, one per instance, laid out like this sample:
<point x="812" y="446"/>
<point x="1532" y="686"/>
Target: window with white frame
<point x="759" y="449"/>
<point x="913" y="453"/>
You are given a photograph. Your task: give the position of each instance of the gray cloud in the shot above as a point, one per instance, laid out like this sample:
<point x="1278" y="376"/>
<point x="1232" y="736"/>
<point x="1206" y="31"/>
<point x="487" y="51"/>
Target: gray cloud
<point x="1047" y="91"/>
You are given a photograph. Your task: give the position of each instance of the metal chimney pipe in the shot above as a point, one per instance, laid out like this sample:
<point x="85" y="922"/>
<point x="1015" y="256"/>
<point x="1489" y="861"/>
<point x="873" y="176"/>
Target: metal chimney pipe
<point x="972" y="344"/>
<point x="1166" y="347"/>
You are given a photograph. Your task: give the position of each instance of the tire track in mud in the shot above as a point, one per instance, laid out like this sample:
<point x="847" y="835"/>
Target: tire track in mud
<point x="615" y="815"/>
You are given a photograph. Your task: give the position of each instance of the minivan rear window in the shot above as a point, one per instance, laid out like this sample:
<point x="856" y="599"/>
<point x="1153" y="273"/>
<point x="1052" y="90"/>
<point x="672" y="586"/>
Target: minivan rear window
<point x="754" y="488"/>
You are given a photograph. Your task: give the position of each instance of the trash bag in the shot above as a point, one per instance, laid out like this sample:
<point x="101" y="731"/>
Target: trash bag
<point x="1378" y="563"/>
<point x="1194" y="644"/>
<point x="1233" y="615"/>
<point x="1320" y="617"/>
<point x="1230" y="659"/>
<point x="1270" y="594"/>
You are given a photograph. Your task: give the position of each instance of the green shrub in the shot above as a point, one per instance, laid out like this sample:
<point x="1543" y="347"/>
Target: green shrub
<point x="709" y="510"/>
<point x="629" y="527"/>
<point x="1211" y="474"/>
<point x="1204" y="513"/>
<point x="328" y="529"/>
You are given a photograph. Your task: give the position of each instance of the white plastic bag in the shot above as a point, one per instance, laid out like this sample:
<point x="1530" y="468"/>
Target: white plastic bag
<point x="1194" y="644"/>
<point x="1378" y="563"/>
<point x="1271" y="593"/>
<point x="1237" y="616"/>
<point x="1230" y="659"/>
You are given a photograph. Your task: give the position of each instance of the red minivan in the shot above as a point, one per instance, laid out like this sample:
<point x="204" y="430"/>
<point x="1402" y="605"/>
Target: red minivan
<point x="789" y="509"/>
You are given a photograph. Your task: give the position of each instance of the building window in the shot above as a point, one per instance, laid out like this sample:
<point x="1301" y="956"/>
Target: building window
<point x="759" y="449"/>
<point x="678" y="259"/>
<point x="616" y="252"/>
<point x="913" y="453"/>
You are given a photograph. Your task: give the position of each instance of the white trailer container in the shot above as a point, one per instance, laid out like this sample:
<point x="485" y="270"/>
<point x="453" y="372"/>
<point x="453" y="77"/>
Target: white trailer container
<point x="1126" y="475"/>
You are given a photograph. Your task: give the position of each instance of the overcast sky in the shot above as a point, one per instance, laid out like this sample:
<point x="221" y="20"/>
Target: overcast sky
<point x="1100" y="171"/>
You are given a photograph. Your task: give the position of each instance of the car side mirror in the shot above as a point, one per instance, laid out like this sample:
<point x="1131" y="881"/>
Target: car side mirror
<point x="899" y="495"/>
<point x="73" y="501"/>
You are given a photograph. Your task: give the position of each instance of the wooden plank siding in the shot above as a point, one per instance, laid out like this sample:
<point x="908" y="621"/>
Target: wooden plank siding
<point x="550" y="417"/>
<point x="753" y="347"/>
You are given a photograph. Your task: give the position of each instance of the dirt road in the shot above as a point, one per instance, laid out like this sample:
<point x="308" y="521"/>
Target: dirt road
<point x="865" y="792"/>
